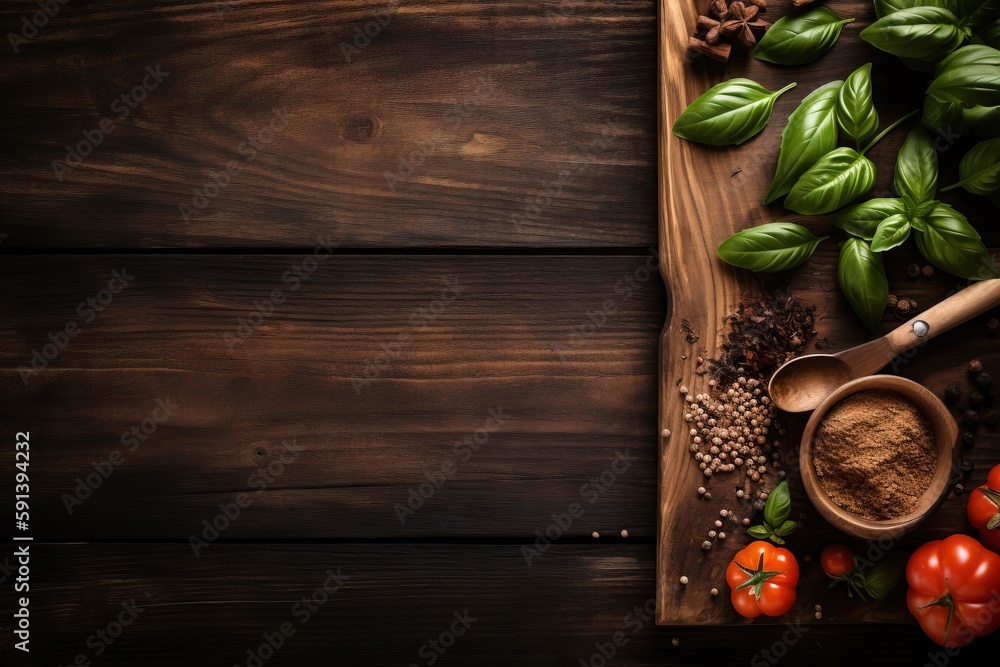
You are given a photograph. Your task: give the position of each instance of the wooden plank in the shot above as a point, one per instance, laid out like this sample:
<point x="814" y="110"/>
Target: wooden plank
<point x="505" y="124"/>
<point x="703" y="199"/>
<point x="467" y="340"/>
<point x="213" y="609"/>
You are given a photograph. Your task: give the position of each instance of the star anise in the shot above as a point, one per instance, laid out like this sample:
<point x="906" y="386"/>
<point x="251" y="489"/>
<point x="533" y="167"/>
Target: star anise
<point x="738" y="22"/>
<point x="720" y="8"/>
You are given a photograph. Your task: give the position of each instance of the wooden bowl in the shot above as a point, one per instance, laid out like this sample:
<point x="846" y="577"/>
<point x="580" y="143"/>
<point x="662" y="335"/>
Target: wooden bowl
<point x="948" y="464"/>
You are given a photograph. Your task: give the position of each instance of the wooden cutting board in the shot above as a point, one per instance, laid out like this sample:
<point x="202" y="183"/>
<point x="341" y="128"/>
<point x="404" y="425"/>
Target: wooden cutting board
<point x="705" y="195"/>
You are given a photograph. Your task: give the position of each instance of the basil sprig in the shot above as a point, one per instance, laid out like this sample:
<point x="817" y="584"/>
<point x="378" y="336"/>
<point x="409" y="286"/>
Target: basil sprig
<point x="777" y="246"/>
<point x="728" y="113"/>
<point x="801" y="36"/>
<point x="873" y="580"/>
<point x="810" y="134"/>
<point x="777" y="509"/>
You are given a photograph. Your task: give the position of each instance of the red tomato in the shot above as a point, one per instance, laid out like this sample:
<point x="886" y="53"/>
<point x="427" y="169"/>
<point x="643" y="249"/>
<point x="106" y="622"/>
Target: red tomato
<point x="837" y="560"/>
<point x="984" y="509"/>
<point x="763" y="578"/>
<point x="954" y="590"/>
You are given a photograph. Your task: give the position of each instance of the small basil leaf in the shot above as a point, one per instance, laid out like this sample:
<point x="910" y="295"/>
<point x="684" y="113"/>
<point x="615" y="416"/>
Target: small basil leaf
<point x="979" y="172"/>
<point x="776" y="246"/>
<point x="916" y="167"/>
<point x="800" y="36"/>
<point x="778" y="505"/>
<point x="862" y="279"/>
<point x="918" y="224"/>
<point x="787" y="529"/>
<point x="856" y="113"/>
<point x="984" y="121"/>
<point x="945" y="118"/>
<point x="837" y="179"/>
<point x="760" y="532"/>
<point x="969" y="76"/>
<point x="882" y="577"/>
<point x="862" y="220"/>
<point x="810" y="134"/>
<point x="923" y="33"/>
<point x="728" y="113"/>
<point x="953" y="245"/>
<point x="892" y="232"/>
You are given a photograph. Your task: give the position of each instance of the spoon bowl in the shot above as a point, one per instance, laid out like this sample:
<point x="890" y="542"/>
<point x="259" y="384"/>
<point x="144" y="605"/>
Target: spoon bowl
<point x="803" y="383"/>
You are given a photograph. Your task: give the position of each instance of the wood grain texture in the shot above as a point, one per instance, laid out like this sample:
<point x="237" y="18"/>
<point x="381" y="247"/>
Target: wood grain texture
<point x="210" y="610"/>
<point x="477" y="112"/>
<point x="703" y="199"/>
<point x="508" y="344"/>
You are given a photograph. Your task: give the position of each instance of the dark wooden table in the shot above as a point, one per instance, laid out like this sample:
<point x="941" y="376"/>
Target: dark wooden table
<point x="372" y="335"/>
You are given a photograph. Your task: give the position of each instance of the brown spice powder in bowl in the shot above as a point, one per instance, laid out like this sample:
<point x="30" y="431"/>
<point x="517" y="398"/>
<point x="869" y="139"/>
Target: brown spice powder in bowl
<point x="875" y="454"/>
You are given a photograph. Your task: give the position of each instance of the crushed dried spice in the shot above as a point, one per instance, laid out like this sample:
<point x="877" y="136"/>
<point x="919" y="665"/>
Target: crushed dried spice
<point x="875" y="454"/>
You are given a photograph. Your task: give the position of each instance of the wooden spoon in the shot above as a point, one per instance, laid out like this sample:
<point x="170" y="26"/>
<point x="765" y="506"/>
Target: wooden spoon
<point x="803" y="383"/>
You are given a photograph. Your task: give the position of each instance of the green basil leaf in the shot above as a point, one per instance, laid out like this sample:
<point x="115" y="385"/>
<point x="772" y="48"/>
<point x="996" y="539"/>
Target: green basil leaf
<point x="916" y="167"/>
<point x="892" y="232"/>
<point x="945" y="118"/>
<point x="969" y="76"/>
<point x="760" y="532"/>
<point x="728" y="113"/>
<point x="837" y="179"/>
<point x="862" y="220"/>
<point x="984" y="121"/>
<point x="800" y="36"/>
<point x="862" y="279"/>
<point x="776" y="246"/>
<point x="918" y="224"/>
<point x="953" y="245"/>
<point x="810" y="134"/>
<point x="922" y="33"/>
<point x="786" y="529"/>
<point x="856" y="113"/>
<point x="882" y="577"/>
<point x="979" y="172"/>
<point x="778" y="505"/>
<point x="886" y="7"/>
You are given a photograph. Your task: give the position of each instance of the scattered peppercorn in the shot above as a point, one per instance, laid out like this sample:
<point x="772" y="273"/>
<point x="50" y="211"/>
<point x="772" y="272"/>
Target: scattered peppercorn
<point x="913" y="270"/>
<point x="714" y="592"/>
<point x="967" y="468"/>
<point x="675" y="641"/>
<point x="975" y="367"/>
<point x="971" y="419"/>
<point x="684" y="581"/>
<point x="927" y="271"/>
<point x="903" y="307"/>
<point x="706" y="545"/>
<point x="968" y="438"/>
<point x="952" y="393"/>
<point x="984" y="380"/>
<point x="819" y="615"/>
<point x="892" y="301"/>
<point x="959" y="489"/>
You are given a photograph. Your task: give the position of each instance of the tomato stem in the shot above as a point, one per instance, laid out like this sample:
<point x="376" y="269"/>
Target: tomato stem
<point x="757" y="578"/>
<point x="944" y="601"/>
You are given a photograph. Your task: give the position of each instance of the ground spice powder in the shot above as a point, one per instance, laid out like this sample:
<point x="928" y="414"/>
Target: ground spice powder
<point x="875" y="454"/>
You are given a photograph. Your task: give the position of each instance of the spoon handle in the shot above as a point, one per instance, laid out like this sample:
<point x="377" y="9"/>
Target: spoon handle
<point x="956" y="309"/>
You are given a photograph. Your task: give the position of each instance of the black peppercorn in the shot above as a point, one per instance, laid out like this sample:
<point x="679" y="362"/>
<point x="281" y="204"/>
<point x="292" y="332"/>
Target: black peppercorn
<point x="913" y="270"/>
<point x="968" y="438"/>
<point x="892" y="301"/>
<point x="952" y="393"/>
<point x="967" y="468"/>
<point x="984" y="380"/>
<point x="975" y="367"/>
<point x="927" y="271"/>
<point x="977" y="399"/>
<point x="970" y="419"/>
<point x="903" y="307"/>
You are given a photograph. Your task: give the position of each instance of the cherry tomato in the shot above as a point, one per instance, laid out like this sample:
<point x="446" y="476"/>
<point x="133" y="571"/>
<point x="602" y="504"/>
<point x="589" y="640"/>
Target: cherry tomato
<point x="984" y="510"/>
<point x="954" y="590"/>
<point x="763" y="578"/>
<point x="837" y="560"/>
